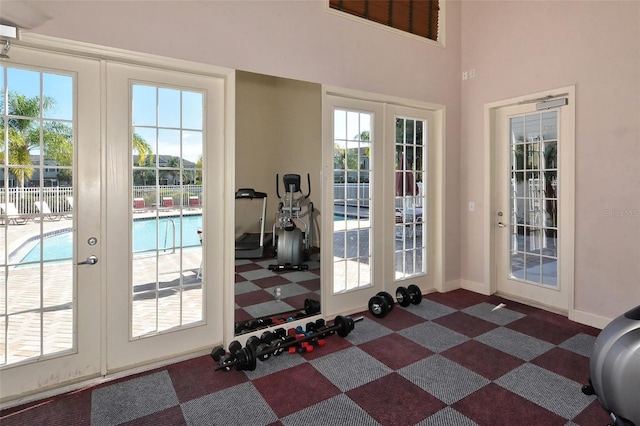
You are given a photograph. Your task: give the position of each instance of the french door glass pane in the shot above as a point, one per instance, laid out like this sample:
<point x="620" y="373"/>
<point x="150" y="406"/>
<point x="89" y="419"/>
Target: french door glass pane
<point x="167" y="146"/>
<point x="353" y="142"/>
<point x="534" y="198"/>
<point x="37" y="300"/>
<point x="410" y="200"/>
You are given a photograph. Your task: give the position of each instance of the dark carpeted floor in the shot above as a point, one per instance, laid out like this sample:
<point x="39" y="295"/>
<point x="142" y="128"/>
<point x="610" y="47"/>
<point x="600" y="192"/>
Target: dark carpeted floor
<point x="449" y="361"/>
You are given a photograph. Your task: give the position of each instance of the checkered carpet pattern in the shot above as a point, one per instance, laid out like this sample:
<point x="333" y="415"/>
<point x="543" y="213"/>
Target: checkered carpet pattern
<point x="260" y="292"/>
<point x="450" y="360"/>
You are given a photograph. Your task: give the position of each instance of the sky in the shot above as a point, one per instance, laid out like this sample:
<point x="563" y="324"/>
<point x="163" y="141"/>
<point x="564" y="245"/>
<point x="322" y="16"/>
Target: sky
<point x="163" y="116"/>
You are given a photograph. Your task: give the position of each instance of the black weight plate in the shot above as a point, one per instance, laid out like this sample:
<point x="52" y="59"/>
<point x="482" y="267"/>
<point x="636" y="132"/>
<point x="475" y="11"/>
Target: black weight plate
<point x="311" y="307"/>
<point x="415" y="294"/>
<point x="378" y="307"/>
<point x="235" y="346"/>
<point x="402" y="295"/>
<point x="343" y="326"/>
<point x="253" y="341"/>
<point x="263" y="350"/>
<point x="246" y="359"/>
<point x="217" y="353"/>
<point x="388" y="298"/>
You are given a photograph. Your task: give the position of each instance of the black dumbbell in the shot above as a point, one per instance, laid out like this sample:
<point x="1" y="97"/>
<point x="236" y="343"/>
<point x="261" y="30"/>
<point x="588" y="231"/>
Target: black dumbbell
<point x="409" y="295"/>
<point x="227" y="361"/>
<point x="381" y="304"/>
<point x="217" y="353"/>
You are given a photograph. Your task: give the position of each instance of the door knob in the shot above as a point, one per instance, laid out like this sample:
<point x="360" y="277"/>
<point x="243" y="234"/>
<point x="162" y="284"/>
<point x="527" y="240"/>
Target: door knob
<point x="91" y="260"/>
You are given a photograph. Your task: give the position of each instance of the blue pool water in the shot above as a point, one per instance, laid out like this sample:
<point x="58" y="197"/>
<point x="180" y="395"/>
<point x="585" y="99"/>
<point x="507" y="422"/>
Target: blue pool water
<point x="60" y="246"/>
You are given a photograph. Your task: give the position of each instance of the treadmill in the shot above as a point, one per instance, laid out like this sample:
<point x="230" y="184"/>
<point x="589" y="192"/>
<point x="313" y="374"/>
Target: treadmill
<point x="251" y="245"/>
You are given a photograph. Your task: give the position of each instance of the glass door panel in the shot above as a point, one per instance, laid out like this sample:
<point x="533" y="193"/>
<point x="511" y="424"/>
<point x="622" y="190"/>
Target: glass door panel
<point x="533" y="201"/>
<point x="167" y="147"/>
<point x="410" y="200"/>
<point x="352" y="199"/>
<point x="38" y="311"/>
<point x="47" y="319"/>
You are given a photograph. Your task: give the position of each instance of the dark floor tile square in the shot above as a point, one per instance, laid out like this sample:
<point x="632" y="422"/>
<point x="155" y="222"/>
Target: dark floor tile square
<point x="393" y="400"/>
<point x="171" y="416"/>
<point x="251" y="266"/>
<point x="298" y="301"/>
<point x="496" y="406"/>
<point x="397" y="319"/>
<point x="73" y="408"/>
<point x="457" y="299"/>
<point x="311" y="285"/>
<point x="565" y="363"/>
<point x="274" y="281"/>
<point x="465" y="324"/>
<point x="553" y="332"/>
<point x="395" y="351"/>
<point x="295" y="388"/>
<point x="240" y="315"/>
<point x="482" y="359"/>
<point x="253" y="298"/>
<point x="196" y="377"/>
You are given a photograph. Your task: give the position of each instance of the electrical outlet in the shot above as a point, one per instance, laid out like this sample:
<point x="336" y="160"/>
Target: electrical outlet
<point x="472" y="73"/>
<point x="464" y="75"/>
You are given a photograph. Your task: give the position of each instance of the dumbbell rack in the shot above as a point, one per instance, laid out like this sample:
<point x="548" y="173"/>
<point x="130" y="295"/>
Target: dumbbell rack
<point x="275" y="342"/>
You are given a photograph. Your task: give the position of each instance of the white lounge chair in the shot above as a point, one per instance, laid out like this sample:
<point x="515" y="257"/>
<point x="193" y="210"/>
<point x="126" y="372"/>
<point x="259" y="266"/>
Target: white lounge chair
<point x="139" y="205"/>
<point x="43" y="208"/>
<point x="194" y="202"/>
<point x="167" y="203"/>
<point x="10" y="214"/>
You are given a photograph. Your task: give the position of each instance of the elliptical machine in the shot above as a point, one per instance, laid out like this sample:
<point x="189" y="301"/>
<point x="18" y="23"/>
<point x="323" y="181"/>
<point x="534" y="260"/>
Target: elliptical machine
<point x="292" y="244"/>
<point x="614" y="368"/>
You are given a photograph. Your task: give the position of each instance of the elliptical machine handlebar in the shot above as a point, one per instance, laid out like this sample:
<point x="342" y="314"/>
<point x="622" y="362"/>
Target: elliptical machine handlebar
<point x="290" y="180"/>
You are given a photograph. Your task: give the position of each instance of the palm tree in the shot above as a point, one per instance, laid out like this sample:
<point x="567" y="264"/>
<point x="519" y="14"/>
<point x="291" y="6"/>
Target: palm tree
<point x="23" y="134"/>
<point x="143" y="149"/>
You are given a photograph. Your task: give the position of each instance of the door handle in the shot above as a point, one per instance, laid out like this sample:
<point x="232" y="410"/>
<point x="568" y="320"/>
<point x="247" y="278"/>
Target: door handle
<point x="91" y="260"/>
<point x="501" y="225"/>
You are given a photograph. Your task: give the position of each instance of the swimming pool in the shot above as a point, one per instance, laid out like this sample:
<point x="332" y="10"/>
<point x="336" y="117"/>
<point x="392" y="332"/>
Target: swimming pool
<point x="145" y="239"/>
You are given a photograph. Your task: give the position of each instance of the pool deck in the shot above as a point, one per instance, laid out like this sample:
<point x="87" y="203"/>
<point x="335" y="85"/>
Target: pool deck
<point x="31" y="291"/>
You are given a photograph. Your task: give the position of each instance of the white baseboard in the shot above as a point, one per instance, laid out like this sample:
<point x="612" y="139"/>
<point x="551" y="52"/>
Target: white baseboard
<point x="450" y="286"/>
<point x="99" y="380"/>
<point x="576" y="315"/>
<point x="589" y="319"/>
<point x="475" y="287"/>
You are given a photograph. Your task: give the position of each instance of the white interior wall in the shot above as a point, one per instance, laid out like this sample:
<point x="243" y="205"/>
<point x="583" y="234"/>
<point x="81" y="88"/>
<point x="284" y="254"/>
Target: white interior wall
<point x="278" y="131"/>
<point x="523" y="47"/>
<point x="515" y="47"/>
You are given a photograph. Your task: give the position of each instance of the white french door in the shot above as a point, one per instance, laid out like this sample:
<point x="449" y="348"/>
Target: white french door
<point x="165" y="148"/>
<point x="91" y="282"/>
<point x="352" y="164"/>
<point x="51" y="199"/>
<point x="381" y="185"/>
<point x="533" y="207"/>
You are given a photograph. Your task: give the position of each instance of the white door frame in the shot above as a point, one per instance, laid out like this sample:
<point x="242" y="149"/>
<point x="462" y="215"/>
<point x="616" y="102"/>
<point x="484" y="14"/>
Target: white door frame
<point x="567" y="175"/>
<point x="220" y="255"/>
<point x="357" y="300"/>
<point x="84" y="362"/>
